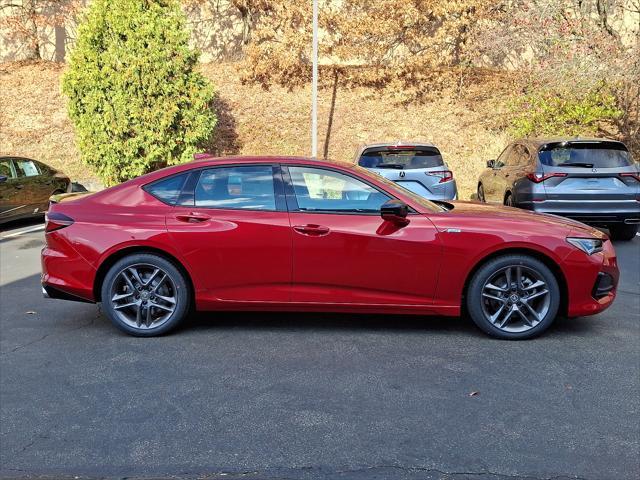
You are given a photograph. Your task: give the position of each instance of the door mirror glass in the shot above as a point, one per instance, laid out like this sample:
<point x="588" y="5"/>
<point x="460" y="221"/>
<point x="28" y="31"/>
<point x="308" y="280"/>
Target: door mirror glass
<point x="491" y="163"/>
<point x="3" y="178"/>
<point x="395" y="211"/>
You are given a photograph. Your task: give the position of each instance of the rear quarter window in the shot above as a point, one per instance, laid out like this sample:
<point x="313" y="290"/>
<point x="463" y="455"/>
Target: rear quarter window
<point x="168" y="189"/>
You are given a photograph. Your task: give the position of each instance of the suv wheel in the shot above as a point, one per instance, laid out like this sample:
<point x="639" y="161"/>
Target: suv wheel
<point x="481" y="194"/>
<point x="508" y="200"/>
<point x="623" y="231"/>
<point x="513" y="297"/>
<point x="145" y="295"/>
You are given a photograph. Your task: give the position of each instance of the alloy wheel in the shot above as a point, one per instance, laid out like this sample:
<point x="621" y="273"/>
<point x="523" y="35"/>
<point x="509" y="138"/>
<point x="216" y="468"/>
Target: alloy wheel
<point x="515" y="299"/>
<point x="143" y="296"/>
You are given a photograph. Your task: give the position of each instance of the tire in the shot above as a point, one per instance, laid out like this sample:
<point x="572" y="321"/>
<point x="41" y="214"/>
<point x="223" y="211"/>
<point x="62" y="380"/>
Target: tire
<point x="481" y="193"/>
<point x="508" y="200"/>
<point x="623" y="231"/>
<point x="494" y="273"/>
<point x="157" y="283"/>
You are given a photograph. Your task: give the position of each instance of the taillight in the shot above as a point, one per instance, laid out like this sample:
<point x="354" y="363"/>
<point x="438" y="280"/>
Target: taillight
<point x="635" y="176"/>
<point x="56" y="221"/>
<point x="445" y="175"/>
<point x="537" y="177"/>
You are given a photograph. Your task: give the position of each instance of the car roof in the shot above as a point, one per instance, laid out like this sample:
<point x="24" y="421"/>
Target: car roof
<point x="207" y="159"/>
<point x="397" y="143"/>
<point x="538" y="142"/>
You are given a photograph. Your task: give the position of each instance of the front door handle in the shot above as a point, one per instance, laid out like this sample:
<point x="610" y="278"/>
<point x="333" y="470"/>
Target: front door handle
<point x="18" y="186"/>
<point x="193" y="217"/>
<point x="312" y="230"/>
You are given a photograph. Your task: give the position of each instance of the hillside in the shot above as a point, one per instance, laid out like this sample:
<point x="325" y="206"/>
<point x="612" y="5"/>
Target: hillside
<point x="33" y="121"/>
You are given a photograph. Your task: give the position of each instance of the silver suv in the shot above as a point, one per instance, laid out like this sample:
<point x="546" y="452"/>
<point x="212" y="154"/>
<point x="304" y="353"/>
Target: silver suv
<point x="418" y="167"/>
<point x="594" y="181"/>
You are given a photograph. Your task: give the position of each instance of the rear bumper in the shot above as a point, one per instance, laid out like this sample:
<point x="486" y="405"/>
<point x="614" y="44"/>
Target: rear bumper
<point x="65" y="273"/>
<point x="593" y="213"/>
<point x="592" y="283"/>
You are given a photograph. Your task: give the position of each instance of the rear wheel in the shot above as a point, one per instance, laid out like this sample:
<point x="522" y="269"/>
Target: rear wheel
<point x="145" y="295"/>
<point x="481" y="193"/>
<point x="513" y="297"/>
<point x="508" y="200"/>
<point x="623" y="231"/>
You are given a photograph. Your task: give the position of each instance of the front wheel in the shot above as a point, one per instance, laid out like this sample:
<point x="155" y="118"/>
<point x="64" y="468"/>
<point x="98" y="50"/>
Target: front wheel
<point x="623" y="231"/>
<point x="145" y="295"/>
<point x="508" y="200"/>
<point x="513" y="297"/>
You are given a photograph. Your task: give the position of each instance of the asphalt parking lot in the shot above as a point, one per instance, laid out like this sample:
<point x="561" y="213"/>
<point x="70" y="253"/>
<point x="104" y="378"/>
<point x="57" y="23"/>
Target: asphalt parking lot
<point x="312" y="396"/>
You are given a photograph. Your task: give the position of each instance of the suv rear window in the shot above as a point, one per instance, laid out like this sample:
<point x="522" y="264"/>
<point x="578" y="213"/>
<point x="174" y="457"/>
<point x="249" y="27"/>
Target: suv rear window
<point x="401" y="158"/>
<point x="585" y="154"/>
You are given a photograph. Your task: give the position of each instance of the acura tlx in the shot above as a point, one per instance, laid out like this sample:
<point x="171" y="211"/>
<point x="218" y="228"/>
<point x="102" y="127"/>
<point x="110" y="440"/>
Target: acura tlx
<point x="296" y="234"/>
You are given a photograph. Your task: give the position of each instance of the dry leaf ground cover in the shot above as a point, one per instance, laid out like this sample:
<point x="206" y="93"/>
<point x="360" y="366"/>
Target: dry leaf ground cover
<point x="33" y="121"/>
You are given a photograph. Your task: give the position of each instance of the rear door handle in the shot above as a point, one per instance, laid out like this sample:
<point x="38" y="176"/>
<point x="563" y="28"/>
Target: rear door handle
<point x="312" y="230"/>
<point x="193" y="217"/>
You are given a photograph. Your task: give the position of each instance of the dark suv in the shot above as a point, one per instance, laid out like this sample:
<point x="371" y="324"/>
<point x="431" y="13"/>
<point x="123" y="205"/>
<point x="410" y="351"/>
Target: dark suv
<point x="594" y="181"/>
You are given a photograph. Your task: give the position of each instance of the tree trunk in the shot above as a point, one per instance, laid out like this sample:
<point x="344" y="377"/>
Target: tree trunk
<point x="33" y="50"/>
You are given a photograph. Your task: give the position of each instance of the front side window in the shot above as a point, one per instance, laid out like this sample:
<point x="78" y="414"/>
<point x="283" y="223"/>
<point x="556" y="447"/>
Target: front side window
<point x="323" y="190"/>
<point x="26" y="168"/>
<point x="247" y="187"/>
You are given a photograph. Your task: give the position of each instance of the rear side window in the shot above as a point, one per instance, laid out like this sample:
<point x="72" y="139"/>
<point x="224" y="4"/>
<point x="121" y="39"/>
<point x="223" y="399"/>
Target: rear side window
<point x="585" y="154"/>
<point x="248" y="187"/>
<point x="26" y="168"/>
<point x="168" y="190"/>
<point x="401" y="158"/>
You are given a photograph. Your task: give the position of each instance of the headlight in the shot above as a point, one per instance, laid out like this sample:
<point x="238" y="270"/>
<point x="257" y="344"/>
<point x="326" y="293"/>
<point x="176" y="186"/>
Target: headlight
<point x="587" y="245"/>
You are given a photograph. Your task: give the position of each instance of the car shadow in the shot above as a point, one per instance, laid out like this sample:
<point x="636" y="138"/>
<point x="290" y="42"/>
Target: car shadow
<point x="22" y="223"/>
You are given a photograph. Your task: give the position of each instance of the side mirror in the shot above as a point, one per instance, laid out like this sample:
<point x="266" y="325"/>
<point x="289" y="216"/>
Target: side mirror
<point x="3" y="178"/>
<point x="491" y="163"/>
<point x="395" y="211"/>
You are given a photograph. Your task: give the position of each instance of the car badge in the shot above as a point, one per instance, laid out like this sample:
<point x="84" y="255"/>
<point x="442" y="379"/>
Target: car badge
<point x="594" y="170"/>
<point x="401" y="174"/>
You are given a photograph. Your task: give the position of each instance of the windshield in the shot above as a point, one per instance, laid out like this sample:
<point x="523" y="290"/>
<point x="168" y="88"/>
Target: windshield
<point x="586" y="155"/>
<point x="401" y="158"/>
<point x="392" y="186"/>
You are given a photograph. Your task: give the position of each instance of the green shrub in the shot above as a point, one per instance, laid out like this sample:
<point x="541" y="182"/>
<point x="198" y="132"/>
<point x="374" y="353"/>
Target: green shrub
<point x="543" y="112"/>
<point x="135" y="97"/>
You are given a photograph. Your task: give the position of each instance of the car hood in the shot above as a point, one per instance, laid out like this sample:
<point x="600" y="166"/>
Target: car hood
<point x="496" y="215"/>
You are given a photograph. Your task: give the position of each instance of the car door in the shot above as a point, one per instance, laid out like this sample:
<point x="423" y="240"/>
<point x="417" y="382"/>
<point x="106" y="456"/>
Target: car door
<point x="232" y="228"/>
<point x="344" y="252"/>
<point x="11" y="198"/>
<point x="493" y="183"/>
<point x="34" y="193"/>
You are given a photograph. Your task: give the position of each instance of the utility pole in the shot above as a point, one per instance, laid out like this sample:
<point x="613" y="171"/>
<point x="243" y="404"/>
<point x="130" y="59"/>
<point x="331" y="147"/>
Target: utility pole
<point x="314" y="84"/>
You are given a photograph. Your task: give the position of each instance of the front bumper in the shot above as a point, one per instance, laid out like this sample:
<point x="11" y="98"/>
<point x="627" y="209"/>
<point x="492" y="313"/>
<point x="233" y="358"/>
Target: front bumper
<point x="591" y="281"/>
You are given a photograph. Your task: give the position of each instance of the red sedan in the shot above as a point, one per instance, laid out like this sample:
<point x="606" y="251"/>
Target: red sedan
<point x="279" y="233"/>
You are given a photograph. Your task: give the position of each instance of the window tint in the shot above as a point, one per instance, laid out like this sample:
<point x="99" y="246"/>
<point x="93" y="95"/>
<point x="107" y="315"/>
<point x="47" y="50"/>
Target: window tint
<point x="501" y="161"/>
<point x="26" y="168"/>
<point x="6" y="169"/>
<point x="325" y="190"/>
<point x="401" y="159"/>
<point x="249" y="187"/>
<point x="168" y="190"/>
<point x="586" y="154"/>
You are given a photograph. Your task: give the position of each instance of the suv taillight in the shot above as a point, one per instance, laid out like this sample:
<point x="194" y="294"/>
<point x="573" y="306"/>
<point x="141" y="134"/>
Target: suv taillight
<point x="537" y="177"/>
<point x="56" y="221"/>
<point x="445" y="175"/>
<point x="632" y="175"/>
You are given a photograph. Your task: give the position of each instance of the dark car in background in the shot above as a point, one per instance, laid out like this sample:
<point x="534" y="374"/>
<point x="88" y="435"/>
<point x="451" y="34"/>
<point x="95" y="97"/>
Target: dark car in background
<point x="25" y="187"/>
<point x="594" y="181"/>
<point x="418" y="167"/>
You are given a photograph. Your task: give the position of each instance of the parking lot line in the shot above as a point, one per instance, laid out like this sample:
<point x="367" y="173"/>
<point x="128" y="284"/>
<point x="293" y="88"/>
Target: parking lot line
<point x="21" y="232"/>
